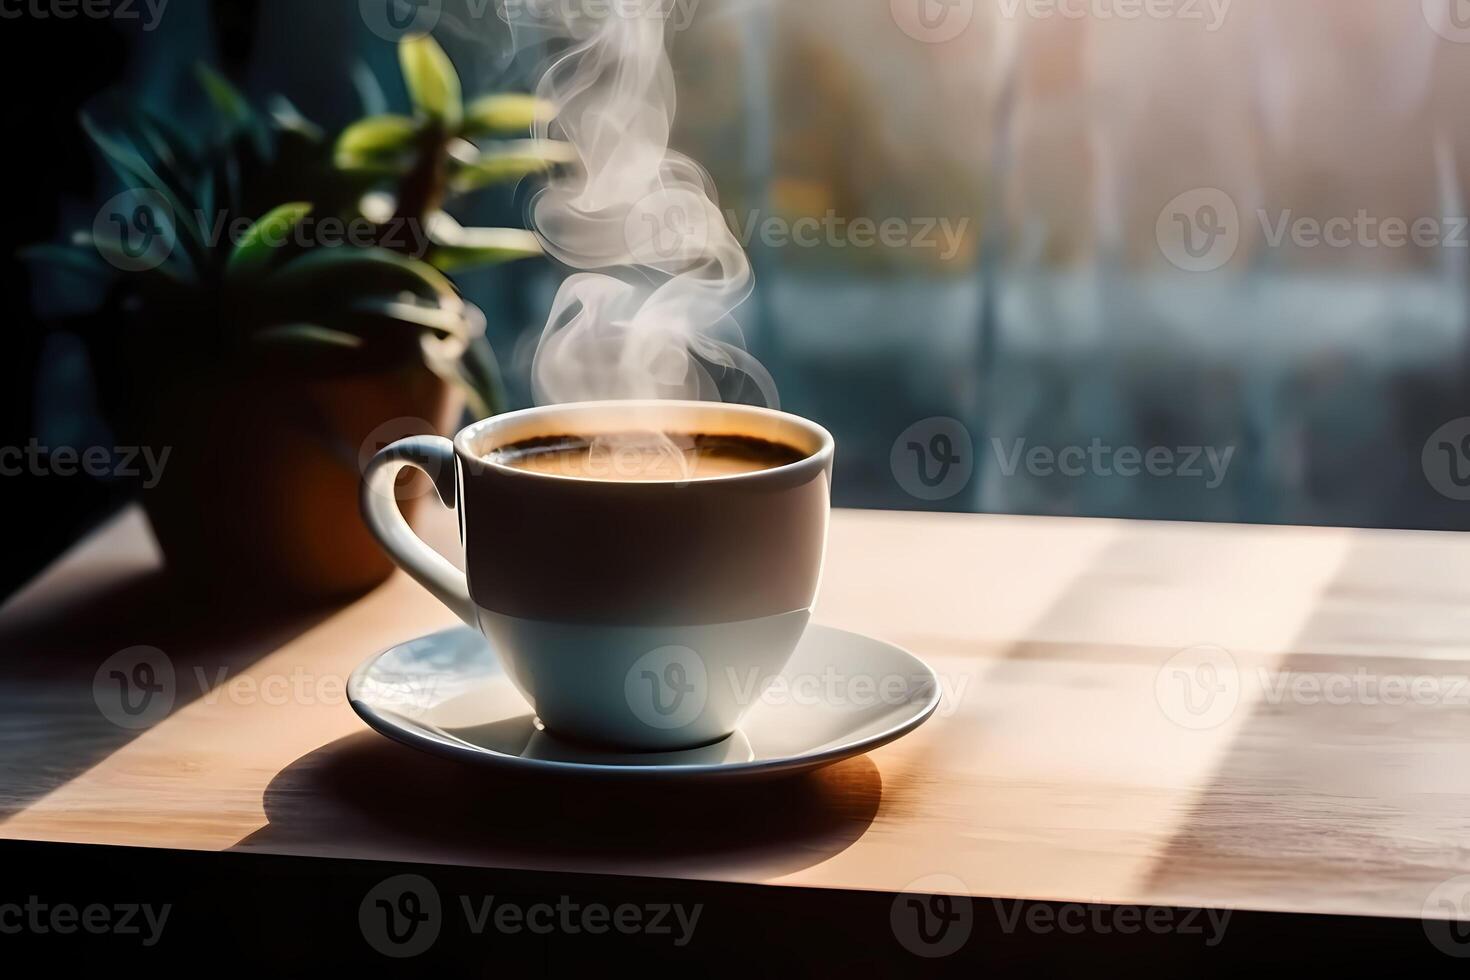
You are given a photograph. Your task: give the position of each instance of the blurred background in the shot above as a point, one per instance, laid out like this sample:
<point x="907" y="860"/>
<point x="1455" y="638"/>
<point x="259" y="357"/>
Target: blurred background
<point x="1182" y="260"/>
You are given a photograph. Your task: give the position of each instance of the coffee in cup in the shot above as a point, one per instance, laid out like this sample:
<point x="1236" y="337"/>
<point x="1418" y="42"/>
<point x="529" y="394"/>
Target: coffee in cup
<point x="646" y="456"/>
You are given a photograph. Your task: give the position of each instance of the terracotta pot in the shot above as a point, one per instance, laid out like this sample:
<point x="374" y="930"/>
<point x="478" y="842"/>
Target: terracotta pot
<point x="260" y="487"/>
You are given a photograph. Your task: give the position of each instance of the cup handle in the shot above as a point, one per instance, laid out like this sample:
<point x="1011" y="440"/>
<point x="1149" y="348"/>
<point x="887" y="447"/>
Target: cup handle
<point x="434" y="455"/>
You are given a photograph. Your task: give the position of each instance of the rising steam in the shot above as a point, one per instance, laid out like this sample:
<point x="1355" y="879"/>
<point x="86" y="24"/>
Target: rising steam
<point x="648" y="309"/>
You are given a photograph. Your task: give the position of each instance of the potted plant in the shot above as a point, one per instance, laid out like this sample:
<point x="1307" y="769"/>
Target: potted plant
<point x="273" y="296"/>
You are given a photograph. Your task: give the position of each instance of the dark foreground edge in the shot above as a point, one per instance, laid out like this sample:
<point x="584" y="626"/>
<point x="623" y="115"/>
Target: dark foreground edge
<point x="113" y="908"/>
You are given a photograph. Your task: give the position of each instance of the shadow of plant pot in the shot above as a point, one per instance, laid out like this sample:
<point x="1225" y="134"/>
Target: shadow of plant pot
<point x="259" y="489"/>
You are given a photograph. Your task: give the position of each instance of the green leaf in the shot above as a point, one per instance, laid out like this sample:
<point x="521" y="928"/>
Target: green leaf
<point x="368" y="141"/>
<point x="121" y="155"/>
<point x="457" y="248"/>
<point x="159" y="143"/>
<point x="369" y="93"/>
<point x="446" y="320"/>
<point x="432" y="81"/>
<point x="289" y="119"/>
<point x="226" y="99"/>
<point x="362" y="272"/>
<point x="306" y="333"/>
<point x="505" y="114"/>
<point x="506" y="163"/>
<point x="233" y="107"/>
<point x="171" y="155"/>
<point x="479" y="376"/>
<point x="468" y="363"/>
<point x="125" y="160"/>
<point x="260" y="242"/>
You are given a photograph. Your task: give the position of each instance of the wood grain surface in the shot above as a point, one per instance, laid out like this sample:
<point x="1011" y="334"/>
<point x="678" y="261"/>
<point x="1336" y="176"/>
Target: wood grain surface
<point x="1236" y="717"/>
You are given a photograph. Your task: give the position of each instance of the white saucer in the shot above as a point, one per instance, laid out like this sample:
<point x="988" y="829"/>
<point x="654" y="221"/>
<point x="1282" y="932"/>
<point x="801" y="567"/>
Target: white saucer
<point x="840" y="695"/>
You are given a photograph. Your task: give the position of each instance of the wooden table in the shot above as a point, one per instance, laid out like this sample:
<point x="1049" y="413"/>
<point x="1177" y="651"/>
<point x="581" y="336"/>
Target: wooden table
<point x="1065" y="764"/>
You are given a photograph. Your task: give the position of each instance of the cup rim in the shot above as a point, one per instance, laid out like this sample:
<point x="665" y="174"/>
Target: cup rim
<point x="821" y="457"/>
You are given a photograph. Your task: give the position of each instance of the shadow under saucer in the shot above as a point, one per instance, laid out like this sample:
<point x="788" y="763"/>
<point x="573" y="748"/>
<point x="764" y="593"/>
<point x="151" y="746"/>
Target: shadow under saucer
<point x="365" y="796"/>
